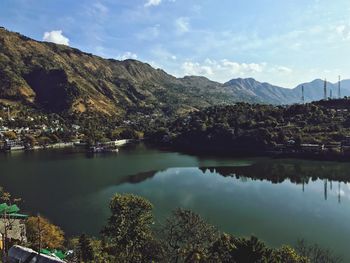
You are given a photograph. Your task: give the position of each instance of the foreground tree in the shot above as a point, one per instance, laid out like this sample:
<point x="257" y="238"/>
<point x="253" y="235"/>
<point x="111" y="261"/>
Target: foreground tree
<point x="227" y="249"/>
<point x="287" y="254"/>
<point x="316" y="254"/>
<point x="187" y="236"/>
<point x="42" y="234"/>
<point x="128" y="235"/>
<point x="85" y="250"/>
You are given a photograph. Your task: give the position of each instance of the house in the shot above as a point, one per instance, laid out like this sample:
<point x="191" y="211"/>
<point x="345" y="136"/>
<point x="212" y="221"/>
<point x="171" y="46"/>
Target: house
<point x="115" y="143"/>
<point x="333" y="146"/>
<point x="12" y="225"/>
<point x="22" y="254"/>
<point x="75" y="127"/>
<point x="312" y="147"/>
<point x="14" y="145"/>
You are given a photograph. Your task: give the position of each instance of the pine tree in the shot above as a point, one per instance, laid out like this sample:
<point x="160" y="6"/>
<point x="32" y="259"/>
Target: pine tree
<point x="85" y="249"/>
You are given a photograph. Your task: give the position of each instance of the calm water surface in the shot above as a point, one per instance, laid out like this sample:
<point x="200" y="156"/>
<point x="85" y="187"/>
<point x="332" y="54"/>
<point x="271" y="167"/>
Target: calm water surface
<point x="279" y="201"/>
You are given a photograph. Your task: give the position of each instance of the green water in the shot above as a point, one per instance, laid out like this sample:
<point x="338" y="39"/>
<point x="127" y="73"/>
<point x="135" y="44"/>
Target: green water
<point x="279" y="201"/>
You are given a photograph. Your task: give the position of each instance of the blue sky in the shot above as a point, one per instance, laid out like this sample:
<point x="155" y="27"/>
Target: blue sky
<point x="283" y="42"/>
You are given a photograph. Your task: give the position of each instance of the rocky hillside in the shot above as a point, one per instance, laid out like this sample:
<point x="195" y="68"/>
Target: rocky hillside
<point x="57" y="78"/>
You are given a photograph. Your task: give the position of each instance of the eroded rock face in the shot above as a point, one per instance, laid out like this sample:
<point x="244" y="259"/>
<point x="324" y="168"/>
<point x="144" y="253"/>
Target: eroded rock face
<point x="52" y="89"/>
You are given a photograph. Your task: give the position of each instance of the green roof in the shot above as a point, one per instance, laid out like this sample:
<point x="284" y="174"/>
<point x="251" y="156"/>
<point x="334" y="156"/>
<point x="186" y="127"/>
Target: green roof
<point x="12" y="209"/>
<point x="55" y="252"/>
<point x="18" y="215"/>
<point x="3" y="207"/>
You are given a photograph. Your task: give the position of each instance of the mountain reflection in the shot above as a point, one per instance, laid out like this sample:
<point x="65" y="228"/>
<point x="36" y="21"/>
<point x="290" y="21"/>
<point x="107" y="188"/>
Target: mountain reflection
<point x="278" y="173"/>
<point x="296" y="172"/>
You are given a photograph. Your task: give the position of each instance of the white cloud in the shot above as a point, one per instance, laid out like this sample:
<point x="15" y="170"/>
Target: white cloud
<point x="162" y="53"/>
<point x="56" y="36"/>
<point x="223" y="70"/>
<point x="149" y="33"/>
<point x="100" y="7"/>
<point x="191" y="68"/>
<point x="127" y="55"/>
<point x="152" y="3"/>
<point x="343" y="31"/>
<point x="283" y="69"/>
<point x="182" y="25"/>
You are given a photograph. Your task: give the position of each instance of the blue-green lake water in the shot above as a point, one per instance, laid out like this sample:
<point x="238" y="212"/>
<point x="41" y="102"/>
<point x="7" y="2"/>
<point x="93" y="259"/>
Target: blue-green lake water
<point x="279" y="201"/>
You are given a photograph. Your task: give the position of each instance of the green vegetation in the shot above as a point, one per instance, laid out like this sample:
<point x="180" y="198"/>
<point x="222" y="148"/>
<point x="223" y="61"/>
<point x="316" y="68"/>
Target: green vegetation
<point x="43" y="234"/>
<point x="128" y="234"/>
<point x="246" y="128"/>
<point x="131" y="235"/>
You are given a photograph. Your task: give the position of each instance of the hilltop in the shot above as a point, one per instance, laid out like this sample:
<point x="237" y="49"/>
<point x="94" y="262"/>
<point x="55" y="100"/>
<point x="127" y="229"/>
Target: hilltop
<point x="53" y="78"/>
<point x="58" y="78"/>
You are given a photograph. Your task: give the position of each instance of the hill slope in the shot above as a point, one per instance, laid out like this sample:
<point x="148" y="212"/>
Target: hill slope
<point x="264" y="91"/>
<point x="58" y="78"/>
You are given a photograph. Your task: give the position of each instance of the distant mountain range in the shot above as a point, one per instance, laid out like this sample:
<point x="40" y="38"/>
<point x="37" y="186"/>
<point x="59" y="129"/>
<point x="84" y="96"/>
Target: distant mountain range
<point x="57" y="78"/>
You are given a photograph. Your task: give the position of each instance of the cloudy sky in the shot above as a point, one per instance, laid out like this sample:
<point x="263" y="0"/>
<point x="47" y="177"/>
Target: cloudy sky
<point x="283" y="42"/>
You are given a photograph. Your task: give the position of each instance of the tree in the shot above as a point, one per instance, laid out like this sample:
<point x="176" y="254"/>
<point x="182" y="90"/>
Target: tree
<point x="128" y="232"/>
<point x="222" y="249"/>
<point x="42" y="234"/>
<point x="251" y="250"/>
<point x="86" y="253"/>
<point x="287" y="254"/>
<point x="186" y="234"/>
<point x="315" y="253"/>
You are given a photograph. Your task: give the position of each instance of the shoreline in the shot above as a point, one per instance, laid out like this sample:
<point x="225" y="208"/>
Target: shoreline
<point x="322" y="156"/>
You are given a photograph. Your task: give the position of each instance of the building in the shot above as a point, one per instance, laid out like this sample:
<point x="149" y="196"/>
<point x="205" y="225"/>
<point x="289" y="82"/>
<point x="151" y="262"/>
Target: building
<point x="116" y="143"/>
<point x="22" y="254"/>
<point x="14" y="145"/>
<point x="12" y="225"/>
<point x="334" y="147"/>
<point x="312" y="147"/>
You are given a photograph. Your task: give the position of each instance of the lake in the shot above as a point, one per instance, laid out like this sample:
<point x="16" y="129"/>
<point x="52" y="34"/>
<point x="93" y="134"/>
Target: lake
<point x="279" y="201"/>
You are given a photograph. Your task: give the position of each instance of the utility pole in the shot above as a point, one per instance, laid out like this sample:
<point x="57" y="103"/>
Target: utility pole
<point x="325" y="89"/>
<point x="330" y="93"/>
<point x="39" y="235"/>
<point x="302" y="95"/>
<point x="339" y="93"/>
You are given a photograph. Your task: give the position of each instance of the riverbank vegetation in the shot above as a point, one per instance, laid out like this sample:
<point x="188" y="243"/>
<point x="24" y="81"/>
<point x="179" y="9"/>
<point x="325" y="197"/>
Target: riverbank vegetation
<point x="320" y="128"/>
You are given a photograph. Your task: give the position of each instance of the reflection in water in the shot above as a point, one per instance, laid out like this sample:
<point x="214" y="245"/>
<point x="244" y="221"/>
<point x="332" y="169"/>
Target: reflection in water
<point x="277" y="175"/>
<point x="260" y="196"/>
<point x="242" y="202"/>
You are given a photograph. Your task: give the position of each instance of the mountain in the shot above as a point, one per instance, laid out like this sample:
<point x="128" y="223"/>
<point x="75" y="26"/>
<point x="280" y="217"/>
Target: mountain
<point x="315" y="90"/>
<point x="264" y="91"/>
<point x="56" y="78"/>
